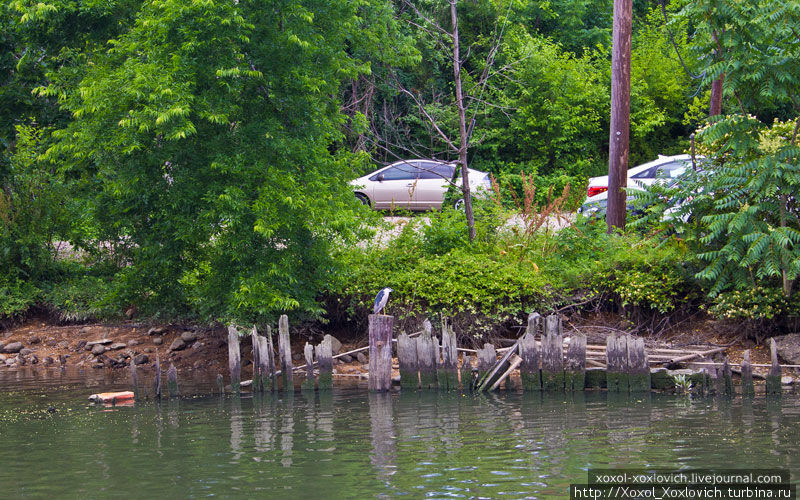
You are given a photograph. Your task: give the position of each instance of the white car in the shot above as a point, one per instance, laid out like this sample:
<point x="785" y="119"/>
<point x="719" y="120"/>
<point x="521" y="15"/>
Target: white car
<point x="414" y="185"/>
<point x="645" y="175"/>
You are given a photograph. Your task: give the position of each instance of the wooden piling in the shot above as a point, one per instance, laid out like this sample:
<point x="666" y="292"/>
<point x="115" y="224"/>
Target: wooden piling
<point x="172" y="381"/>
<point x="638" y="369"/>
<point x="271" y="365"/>
<point x="157" y="381"/>
<point x="234" y="359"/>
<point x="748" y="388"/>
<point x="266" y="369"/>
<point x="487" y="357"/>
<point x="407" y="359"/>
<point x="427" y="357"/>
<point x="220" y="383"/>
<point x="530" y="368"/>
<point x="380" y="352"/>
<point x="309" y="383"/>
<point x="465" y="373"/>
<point x="256" y="387"/>
<point x="575" y="370"/>
<point x="448" y="379"/>
<point x="324" y="354"/>
<point x="553" y="355"/>
<point x="727" y="377"/>
<point x="134" y="382"/>
<point x="285" y="354"/>
<point x="616" y="363"/>
<point x="774" y="376"/>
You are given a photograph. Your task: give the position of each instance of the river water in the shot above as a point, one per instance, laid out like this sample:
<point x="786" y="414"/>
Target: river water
<point x="352" y="444"/>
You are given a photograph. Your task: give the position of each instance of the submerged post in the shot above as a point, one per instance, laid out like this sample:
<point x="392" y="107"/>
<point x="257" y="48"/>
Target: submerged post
<point x="426" y="356"/>
<point x="285" y="353"/>
<point x="407" y="359"/>
<point x="530" y="368"/>
<point x="325" y="364"/>
<point x="157" y="382"/>
<point x="449" y="371"/>
<point x="380" y="352"/>
<point x="727" y="377"/>
<point x="638" y="368"/>
<point x="234" y="359"/>
<point x="257" y="387"/>
<point x="575" y="371"/>
<point x="553" y="355"/>
<point x="308" y="383"/>
<point x="172" y="381"/>
<point x="134" y="382"/>
<point x="220" y="383"/>
<point x="774" y="377"/>
<point x="747" y="375"/>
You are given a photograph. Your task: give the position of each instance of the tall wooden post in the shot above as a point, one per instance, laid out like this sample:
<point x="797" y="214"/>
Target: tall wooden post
<point x="380" y="352"/>
<point x="234" y="359"/>
<point x="270" y="348"/>
<point x="285" y="353"/>
<point x="619" y="136"/>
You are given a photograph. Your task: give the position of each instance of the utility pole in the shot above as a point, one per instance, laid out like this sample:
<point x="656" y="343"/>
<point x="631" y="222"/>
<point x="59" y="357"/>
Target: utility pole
<point x="619" y="137"/>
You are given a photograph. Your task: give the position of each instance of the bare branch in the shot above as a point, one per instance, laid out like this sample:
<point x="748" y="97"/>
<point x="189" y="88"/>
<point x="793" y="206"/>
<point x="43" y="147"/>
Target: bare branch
<point x="428" y="117"/>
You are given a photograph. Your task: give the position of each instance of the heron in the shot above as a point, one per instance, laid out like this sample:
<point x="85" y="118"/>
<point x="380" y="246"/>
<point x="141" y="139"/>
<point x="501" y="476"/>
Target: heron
<point x="381" y="299"/>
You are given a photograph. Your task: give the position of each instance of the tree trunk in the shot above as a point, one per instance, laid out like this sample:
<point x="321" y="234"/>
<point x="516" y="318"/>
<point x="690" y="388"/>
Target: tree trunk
<point x="462" y="126"/>
<point x="619" y="136"/>
<point x="715" y="108"/>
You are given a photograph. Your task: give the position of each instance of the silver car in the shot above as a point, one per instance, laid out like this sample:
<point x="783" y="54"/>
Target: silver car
<point x="414" y="185"/>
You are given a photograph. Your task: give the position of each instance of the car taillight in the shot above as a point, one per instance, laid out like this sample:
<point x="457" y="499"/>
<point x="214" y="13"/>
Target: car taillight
<point x="593" y="190"/>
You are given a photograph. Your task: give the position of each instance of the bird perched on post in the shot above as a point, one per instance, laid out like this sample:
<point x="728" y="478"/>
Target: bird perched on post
<point x="381" y="299"/>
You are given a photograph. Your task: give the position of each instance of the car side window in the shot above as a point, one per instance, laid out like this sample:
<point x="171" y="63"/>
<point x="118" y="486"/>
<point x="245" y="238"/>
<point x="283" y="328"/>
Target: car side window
<point x="402" y="172"/>
<point x="433" y="170"/>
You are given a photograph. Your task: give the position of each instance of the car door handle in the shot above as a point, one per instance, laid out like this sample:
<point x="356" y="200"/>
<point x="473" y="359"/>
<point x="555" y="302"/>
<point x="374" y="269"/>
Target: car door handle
<point x="410" y="185"/>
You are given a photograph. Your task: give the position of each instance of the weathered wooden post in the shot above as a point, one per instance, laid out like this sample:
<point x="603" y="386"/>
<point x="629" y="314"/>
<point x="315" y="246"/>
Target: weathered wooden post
<point x="638" y="368"/>
<point x="380" y="352"/>
<point x="466" y="372"/>
<point x="234" y="360"/>
<point x="270" y="347"/>
<point x="172" y="381"/>
<point x="427" y="354"/>
<point x="727" y="377"/>
<point x="325" y="364"/>
<point x="257" y="387"/>
<point x="575" y="371"/>
<point x="407" y="359"/>
<point x="553" y="355"/>
<point x="133" y="379"/>
<point x="285" y="353"/>
<point x="616" y="363"/>
<point x="449" y="371"/>
<point x="487" y="357"/>
<point x="774" y="377"/>
<point x="266" y="369"/>
<point x="309" y="383"/>
<point x="748" y="388"/>
<point x="157" y="381"/>
<point x="530" y="368"/>
<point x="220" y="383"/>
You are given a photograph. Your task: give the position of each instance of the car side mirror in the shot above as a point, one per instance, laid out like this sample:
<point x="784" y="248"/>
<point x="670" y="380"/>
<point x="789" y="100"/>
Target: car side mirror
<point x="380" y="177"/>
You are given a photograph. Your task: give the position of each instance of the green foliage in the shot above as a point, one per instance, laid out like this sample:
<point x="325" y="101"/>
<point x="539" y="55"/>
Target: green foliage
<point x="756" y="303"/>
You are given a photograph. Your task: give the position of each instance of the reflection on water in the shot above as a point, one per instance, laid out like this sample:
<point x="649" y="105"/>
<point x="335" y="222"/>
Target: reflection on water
<point x="351" y="444"/>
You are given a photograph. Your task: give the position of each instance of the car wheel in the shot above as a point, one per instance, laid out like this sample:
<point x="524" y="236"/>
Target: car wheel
<point x="363" y="199"/>
<point x="459" y="204"/>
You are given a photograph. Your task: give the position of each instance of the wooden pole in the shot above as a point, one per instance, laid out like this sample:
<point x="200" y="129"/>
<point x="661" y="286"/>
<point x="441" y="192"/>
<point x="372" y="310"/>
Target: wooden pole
<point x="530" y="369"/>
<point x="575" y="370"/>
<point x="774" y="377"/>
<point x="172" y="381"/>
<point x="407" y="359"/>
<point x="257" y="387"/>
<point x="553" y="355"/>
<point x="620" y="114"/>
<point x="234" y="359"/>
<point x="271" y="359"/>
<point x="426" y="356"/>
<point x="309" y="383"/>
<point x="449" y="370"/>
<point x="157" y="382"/>
<point x="285" y="353"/>
<point x="748" y="388"/>
<point x="380" y="352"/>
<point x="266" y="367"/>
<point x="220" y="383"/>
<point x="638" y="369"/>
<point x="325" y="363"/>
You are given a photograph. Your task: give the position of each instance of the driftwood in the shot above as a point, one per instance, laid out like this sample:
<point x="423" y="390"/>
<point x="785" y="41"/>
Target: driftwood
<point x="748" y="388"/>
<point x="380" y="352"/>
<point x="407" y="360"/>
<point x="285" y="353"/>
<point x="693" y="355"/>
<point x="530" y="368"/>
<point x="553" y="355"/>
<point x="234" y="359"/>
<point x="774" y="376"/>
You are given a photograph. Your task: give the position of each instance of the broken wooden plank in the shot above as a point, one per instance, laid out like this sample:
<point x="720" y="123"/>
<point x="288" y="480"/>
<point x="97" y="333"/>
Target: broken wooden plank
<point x="498" y="369"/>
<point x="380" y="352"/>
<point x="285" y="353"/>
<point x="513" y="364"/>
<point x="529" y="351"/>
<point x="234" y="359"/>
<point x="575" y="369"/>
<point x="552" y="355"/>
<point x="748" y="389"/>
<point x="407" y="360"/>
